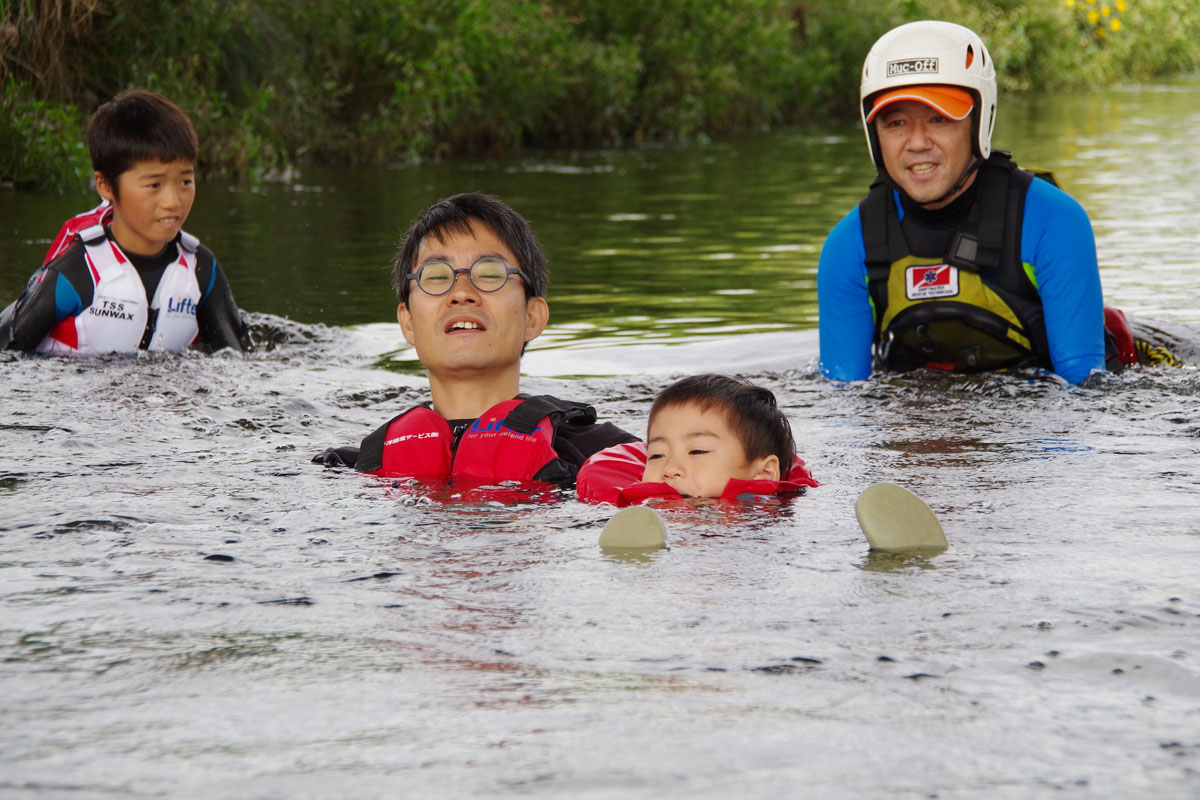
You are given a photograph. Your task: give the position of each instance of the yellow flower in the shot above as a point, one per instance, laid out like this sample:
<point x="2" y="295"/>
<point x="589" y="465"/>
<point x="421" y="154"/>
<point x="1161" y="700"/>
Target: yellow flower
<point x="1104" y="12"/>
<point x="1101" y="33"/>
<point x="1091" y="2"/>
<point x="1069" y="3"/>
<point x="1093" y="16"/>
<point x="1121" y="6"/>
<point x="1115" y="25"/>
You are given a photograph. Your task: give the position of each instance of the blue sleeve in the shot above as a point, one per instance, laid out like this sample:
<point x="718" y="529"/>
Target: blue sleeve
<point x="1058" y="243"/>
<point x="847" y="318"/>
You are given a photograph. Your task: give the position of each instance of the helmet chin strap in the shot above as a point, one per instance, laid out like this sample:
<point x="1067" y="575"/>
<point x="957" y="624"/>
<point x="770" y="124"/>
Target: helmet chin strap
<point x="967" y="173"/>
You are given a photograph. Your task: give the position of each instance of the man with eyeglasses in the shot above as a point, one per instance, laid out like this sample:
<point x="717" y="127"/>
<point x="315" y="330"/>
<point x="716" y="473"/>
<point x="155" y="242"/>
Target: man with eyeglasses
<point x="471" y="279"/>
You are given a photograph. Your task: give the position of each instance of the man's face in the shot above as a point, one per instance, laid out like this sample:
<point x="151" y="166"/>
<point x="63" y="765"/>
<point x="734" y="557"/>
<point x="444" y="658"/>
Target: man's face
<point x="153" y="200"/>
<point x="695" y="452"/>
<point x="924" y="152"/>
<point x="466" y="332"/>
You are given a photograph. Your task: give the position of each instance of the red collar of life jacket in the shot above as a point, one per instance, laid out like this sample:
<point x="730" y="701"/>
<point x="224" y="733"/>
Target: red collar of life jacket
<point x="614" y="475"/>
<point x="419" y="444"/>
<point x="100" y="215"/>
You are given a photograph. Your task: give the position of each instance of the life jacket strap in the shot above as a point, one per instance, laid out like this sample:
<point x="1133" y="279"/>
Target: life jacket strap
<point x="525" y="417"/>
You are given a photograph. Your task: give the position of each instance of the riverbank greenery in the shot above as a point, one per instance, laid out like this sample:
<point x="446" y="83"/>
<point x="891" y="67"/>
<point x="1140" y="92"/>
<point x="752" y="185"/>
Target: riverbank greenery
<point x="273" y="83"/>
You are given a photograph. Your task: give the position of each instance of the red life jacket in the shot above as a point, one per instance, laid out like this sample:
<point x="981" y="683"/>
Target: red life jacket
<point x="614" y="475"/>
<point x="512" y="440"/>
<point x="101" y="214"/>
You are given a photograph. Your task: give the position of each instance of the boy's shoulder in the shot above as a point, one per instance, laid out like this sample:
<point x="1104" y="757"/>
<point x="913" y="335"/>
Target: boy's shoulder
<point x="69" y="262"/>
<point x="101" y="214"/>
<point x="205" y="258"/>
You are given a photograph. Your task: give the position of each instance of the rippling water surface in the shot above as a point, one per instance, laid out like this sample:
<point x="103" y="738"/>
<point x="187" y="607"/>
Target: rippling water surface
<point x="188" y="608"/>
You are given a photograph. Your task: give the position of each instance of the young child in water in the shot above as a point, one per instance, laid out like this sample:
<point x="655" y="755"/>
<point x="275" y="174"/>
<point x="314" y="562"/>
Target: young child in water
<point x="708" y="429"/>
<point x="712" y="436"/>
<point x="125" y="276"/>
<point x="708" y="436"/>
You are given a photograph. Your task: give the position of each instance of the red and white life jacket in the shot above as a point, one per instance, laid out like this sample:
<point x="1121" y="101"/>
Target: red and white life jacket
<point x="100" y="215"/>
<point x="119" y="318"/>
<point x="614" y="475"/>
<point x="512" y="440"/>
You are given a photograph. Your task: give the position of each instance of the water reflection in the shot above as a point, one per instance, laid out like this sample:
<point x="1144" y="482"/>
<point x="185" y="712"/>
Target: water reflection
<point x="663" y="241"/>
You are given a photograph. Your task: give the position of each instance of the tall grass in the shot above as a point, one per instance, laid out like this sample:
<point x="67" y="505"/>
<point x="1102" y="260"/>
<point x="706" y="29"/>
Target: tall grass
<point x="275" y="82"/>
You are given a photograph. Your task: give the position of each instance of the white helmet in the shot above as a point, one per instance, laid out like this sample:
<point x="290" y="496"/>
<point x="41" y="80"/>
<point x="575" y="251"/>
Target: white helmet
<point x="931" y="53"/>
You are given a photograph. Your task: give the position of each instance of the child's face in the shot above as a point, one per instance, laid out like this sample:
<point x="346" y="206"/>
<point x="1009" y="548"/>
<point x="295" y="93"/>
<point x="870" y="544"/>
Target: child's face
<point x="154" y="200"/>
<point x="695" y="452"/>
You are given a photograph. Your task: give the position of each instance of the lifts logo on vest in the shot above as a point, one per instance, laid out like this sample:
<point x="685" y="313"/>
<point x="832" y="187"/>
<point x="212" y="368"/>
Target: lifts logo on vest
<point x="182" y="305"/>
<point x="494" y="425"/>
<point x="929" y="281"/>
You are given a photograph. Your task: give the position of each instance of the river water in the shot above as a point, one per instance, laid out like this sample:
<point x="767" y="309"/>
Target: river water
<point x="189" y="608"/>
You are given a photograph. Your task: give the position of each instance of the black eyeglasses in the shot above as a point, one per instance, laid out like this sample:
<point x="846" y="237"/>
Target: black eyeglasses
<point x="487" y="274"/>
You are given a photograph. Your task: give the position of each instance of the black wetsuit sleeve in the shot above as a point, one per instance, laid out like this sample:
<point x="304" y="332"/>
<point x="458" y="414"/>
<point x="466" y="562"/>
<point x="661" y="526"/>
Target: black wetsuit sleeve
<point x="576" y="443"/>
<point x="60" y="289"/>
<point x="220" y="321"/>
<point x="367" y="457"/>
<point x="337" y="457"/>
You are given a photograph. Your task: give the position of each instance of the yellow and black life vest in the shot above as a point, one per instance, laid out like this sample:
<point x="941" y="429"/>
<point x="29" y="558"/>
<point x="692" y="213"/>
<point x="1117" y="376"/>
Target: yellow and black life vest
<point x="973" y="308"/>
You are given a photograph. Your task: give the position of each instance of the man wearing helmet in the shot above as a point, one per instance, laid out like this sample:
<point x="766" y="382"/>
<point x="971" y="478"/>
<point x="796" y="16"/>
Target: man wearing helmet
<point x="956" y="259"/>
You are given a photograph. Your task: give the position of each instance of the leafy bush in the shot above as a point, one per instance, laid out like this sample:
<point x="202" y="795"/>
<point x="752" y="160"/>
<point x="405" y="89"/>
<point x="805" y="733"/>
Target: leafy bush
<point x="41" y="143"/>
<point x="273" y="82"/>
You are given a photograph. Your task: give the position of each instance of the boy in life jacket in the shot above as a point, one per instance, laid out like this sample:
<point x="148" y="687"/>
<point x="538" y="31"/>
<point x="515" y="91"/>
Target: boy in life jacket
<point x="712" y="436"/>
<point x="709" y="436"/>
<point x="124" y="276"/>
<point x="471" y="280"/>
<point x="956" y="259"/>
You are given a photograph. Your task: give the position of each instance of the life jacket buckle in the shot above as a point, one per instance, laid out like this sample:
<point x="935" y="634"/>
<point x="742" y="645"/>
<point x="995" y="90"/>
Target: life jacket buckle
<point x="967" y="252"/>
<point x="884" y="347"/>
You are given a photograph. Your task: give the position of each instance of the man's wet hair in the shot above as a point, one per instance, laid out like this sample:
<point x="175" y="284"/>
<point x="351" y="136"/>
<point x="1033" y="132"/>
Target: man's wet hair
<point x="135" y="126"/>
<point x="455" y="215"/>
<point x="750" y="410"/>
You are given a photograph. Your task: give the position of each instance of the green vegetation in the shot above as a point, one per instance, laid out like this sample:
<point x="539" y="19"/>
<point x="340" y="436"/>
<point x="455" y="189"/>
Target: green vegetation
<point x="41" y="143"/>
<point x="272" y="83"/>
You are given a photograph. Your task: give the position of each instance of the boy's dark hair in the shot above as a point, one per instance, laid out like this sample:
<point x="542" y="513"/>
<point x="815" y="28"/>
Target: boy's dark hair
<point x="138" y="126"/>
<point x="750" y="410"/>
<point x="454" y="215"/>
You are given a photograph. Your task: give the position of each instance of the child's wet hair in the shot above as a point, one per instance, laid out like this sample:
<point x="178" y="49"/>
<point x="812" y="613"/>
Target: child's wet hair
<point x="750" y="410"/>
<point x="138" y="126"/>
<point x="454" y="215"/>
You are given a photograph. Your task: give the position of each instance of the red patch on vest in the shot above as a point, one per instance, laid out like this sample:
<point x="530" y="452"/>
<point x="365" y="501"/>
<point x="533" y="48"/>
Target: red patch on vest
<point x="66" y="333"/>
<point x="95" y="273"/>
<point x="1118" y="327"/>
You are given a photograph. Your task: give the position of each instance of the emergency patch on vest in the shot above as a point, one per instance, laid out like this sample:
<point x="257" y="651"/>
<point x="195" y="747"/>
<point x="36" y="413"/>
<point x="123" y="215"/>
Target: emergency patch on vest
<point x="930" y="280"/>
